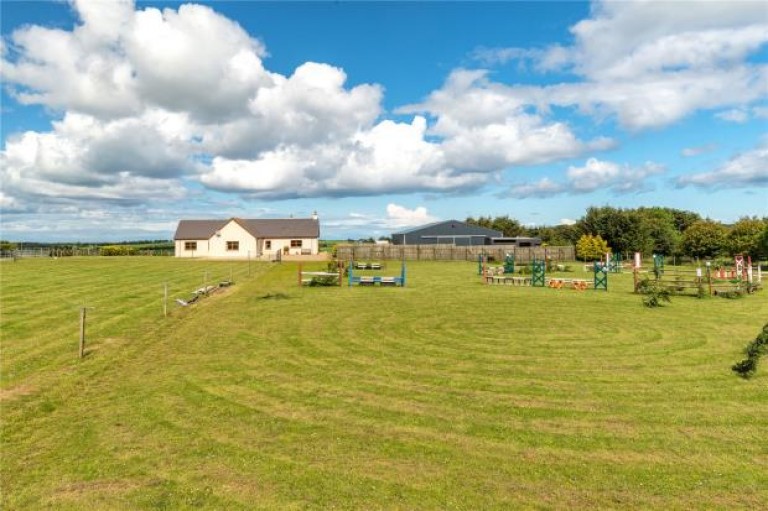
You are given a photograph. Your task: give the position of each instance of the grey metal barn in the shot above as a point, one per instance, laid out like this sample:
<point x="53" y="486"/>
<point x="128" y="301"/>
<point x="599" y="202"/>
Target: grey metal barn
<point x="451" y="232"/>
<point x="460" y="234"/>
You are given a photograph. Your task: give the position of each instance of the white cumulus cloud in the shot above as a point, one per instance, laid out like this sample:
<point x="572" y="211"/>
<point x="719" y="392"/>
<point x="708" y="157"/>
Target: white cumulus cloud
<point x="594" y="175"/>
<point x="650" y="64"/>
<point x="485" y="126"/>
<point x="399" y="216"/>
<point x="85" y="157"/>
<point x="748" y="169"/>
<point x="394" y="217"/>
<point x="389" y="157"/>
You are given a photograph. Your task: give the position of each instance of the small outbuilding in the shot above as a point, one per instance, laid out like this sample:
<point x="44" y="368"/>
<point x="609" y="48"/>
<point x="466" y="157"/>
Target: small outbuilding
<point x="247" y="238"/>
<point x="451" y="232"/>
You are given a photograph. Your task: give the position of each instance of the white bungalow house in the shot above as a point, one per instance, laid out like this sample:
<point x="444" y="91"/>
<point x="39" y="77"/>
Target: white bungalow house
<point x="242" y="238"/>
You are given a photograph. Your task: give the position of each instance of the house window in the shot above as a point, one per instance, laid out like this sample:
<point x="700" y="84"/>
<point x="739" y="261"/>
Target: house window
<point x="295" y="243"/>
<point x="190" y="245"/>
<point x="268" y="245"/>
<point x="233" y="245"/>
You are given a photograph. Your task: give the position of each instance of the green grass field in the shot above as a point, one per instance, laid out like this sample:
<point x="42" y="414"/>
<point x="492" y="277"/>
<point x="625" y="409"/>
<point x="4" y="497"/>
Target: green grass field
<point x="447" y="394"/>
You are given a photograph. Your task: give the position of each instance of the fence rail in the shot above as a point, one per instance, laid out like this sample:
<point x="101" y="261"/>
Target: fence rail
<point x="522" y="255"/>
<point x="27" y="252"/>
<point x="78" y="252"/>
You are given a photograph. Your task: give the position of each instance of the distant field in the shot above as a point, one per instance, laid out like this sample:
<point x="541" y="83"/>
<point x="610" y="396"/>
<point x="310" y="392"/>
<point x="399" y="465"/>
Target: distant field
<point x="446" y="394"/>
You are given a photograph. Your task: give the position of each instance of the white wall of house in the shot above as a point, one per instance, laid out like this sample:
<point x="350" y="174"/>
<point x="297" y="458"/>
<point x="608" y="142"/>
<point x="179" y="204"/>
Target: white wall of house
<point x="232" y="241"/>
<point x="181" y="249"/>
<point x="308" y="246"/>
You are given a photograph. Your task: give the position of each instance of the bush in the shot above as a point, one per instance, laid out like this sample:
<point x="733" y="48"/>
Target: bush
<point x="654" y="294"/>
<point x="324" y="281"/>
<point x="754" y="350"/>
<point x="118" y="250"/>
<point x="746" y="368"/>
<point x="591" y="247"/>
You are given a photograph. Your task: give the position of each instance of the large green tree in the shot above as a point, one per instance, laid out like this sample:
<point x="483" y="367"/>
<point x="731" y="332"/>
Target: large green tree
<point x="704" y="238"/>
<point x="558" y="235"/>
<point x="482" y="221"/>
<point x="663" y="236"/>
<point x="623" y="229"/>
<point x="683" y="219"/>
<point x="745" y="235"/>
<point x="762" y="244"/>
<point x="509" y="226"/>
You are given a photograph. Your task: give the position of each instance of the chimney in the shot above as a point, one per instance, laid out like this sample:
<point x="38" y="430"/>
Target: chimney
<point x="314" y="215"/>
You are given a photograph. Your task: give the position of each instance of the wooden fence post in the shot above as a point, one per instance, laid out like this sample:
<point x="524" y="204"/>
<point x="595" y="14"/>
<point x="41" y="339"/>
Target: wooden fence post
<point x="82" y="332"/>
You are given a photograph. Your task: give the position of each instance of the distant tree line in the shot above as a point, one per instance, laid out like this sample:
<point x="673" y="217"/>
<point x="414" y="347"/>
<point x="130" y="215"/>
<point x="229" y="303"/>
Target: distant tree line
<point x="655" y="230"/>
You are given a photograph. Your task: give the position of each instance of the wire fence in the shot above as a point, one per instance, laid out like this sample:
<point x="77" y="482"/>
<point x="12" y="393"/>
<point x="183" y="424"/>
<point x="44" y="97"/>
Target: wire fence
<point x="80" y="252"/>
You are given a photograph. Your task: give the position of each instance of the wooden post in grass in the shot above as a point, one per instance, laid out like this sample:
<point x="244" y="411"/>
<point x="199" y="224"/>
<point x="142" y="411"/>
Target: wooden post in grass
<point x="299" y="274"/>
<point x="82" y="332"/>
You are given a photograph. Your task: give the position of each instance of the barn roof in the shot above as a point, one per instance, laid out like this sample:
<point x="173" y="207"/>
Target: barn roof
<point x="258" y="227"/>
<point x="425" y="226"/>
<point x="448" y="227"/>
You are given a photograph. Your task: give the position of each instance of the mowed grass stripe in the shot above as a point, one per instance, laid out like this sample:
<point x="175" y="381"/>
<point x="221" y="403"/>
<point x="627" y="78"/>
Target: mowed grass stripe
<point x="446" y="394"/>
<point x="123" y="296"/>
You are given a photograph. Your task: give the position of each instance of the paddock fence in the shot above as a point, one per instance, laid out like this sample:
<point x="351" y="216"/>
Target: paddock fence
<point x="523" y="255"/>
<point x="24" y="253"/>
<point x="78" y="252"/>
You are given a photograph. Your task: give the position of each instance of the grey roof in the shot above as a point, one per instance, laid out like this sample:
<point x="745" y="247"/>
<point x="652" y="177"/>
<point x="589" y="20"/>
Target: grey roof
<point x="258" y="227"/>
<point x="198" y="229"/>
<point x="425" y="226"/>
<point x="283" y="227"/>
<point x="476" y="229"/>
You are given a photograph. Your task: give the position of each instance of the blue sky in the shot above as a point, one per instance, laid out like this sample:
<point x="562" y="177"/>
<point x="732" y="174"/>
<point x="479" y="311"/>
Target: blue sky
<point x="120" y="118"/>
